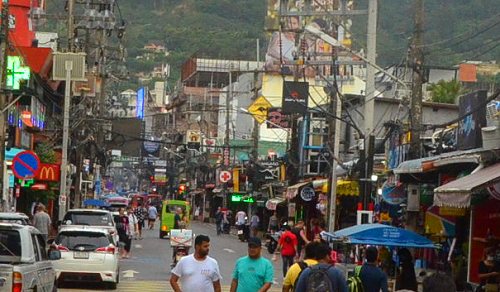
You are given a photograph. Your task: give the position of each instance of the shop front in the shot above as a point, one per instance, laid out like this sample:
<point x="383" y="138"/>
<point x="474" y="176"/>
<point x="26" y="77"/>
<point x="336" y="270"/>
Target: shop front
<point x="478" y="194"/>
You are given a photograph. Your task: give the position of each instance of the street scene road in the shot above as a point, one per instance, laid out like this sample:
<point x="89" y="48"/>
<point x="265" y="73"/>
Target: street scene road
<point x="148" y="268"/>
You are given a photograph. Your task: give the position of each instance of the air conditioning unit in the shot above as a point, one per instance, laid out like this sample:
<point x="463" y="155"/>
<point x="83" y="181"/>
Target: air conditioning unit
<point x="413" y="198"/>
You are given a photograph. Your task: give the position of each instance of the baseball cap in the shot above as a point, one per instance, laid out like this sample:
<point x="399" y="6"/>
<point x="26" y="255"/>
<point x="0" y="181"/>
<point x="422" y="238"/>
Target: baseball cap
<point x="254" y="242"/>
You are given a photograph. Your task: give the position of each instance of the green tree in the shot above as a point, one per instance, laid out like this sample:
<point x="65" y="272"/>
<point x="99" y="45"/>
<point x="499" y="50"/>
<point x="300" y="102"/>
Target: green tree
<point x="445" y="91"/>
<point x="46" y="153"/>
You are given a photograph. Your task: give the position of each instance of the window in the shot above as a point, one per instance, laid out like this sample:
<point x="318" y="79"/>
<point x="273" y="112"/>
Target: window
<point x="10" y="243"/>
<point x="43" y="248"/>
<point x="89" y="218"/>
<point x="82" y="240"/>
<point x="36" y="249"/>
<point x="173" y="208"/>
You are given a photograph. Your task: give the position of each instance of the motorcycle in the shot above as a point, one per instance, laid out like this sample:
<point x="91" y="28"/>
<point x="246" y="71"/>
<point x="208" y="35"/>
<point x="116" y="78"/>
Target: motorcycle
<point x="244" y="231"/>
<point x="272" y="242"/>
<point x="180" y="241"/>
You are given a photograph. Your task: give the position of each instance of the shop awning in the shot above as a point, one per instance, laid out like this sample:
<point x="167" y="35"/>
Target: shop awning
<point x="458" y="192"/>
<point x="271" y="204"/>
<point x="432" y="163"/>
<point x="344" y="187"/>
<point x="292" y="191"/>
<point x="379" y="234"/>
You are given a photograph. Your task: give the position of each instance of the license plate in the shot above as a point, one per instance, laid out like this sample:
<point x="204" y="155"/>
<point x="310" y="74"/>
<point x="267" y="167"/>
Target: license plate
<point x="80" y="255"/>
<point x="240" y="232"/>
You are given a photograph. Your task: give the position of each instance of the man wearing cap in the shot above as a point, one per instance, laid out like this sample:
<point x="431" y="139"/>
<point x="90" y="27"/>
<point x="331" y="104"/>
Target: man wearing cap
<point x="253" y="272"/>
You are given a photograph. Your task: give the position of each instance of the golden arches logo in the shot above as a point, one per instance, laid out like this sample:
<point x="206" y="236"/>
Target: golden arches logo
<point x="47" y="173"/>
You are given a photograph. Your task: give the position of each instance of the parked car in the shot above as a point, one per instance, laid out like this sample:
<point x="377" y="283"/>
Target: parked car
<point x="88" y="254"/>
<point x="14" y="217"/>
<point x="92" y="217"/>
<point x="25" y="264"/>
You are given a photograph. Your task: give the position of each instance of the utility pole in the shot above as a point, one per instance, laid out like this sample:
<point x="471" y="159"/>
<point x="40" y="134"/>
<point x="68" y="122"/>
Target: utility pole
<point x="4" y="39"/>
<point x="64" y="159"/>
<point x="71" y="24"/>
<point x="417" y="65"/>
<point x="227" y="152"/>
<point x="334" y="131"/>
<point x="369" y="107"/>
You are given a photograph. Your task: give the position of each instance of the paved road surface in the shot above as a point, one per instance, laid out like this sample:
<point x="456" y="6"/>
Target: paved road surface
<point x="148" y="269"/>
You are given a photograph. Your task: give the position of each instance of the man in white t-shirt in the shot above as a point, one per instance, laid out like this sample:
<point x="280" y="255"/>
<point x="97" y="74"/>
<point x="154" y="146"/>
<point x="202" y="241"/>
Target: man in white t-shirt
<point x="197" y="271"/>
<point x="240" y="217"/>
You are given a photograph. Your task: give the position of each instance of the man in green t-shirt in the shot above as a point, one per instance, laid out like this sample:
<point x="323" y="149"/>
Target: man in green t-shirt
<point x="253" y="272"/>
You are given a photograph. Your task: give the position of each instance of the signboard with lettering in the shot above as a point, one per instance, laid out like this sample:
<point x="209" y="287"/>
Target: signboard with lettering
<point x="49" y="172"/>
<point x="307" y="194"/>
<point x="276" y="119"/>
<point x="295" y="97"/>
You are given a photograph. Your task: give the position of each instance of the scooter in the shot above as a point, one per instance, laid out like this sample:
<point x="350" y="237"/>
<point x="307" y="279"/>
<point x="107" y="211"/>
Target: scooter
<point x="179" y="252"/>
<point x="272" y="242"/>
<point x="244" y="231"/>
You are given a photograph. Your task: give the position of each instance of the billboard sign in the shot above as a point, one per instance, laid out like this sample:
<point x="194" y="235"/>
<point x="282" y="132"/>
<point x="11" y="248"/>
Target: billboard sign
<point x="469" y="128"/>
<point x="295" y="97"/>
<point x="286" y="43"/>
<point x="141" y="96"/>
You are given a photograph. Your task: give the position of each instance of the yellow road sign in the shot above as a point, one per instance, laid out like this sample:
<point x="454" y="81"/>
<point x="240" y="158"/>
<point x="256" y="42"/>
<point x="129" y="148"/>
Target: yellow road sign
<point x="259" y="108"/>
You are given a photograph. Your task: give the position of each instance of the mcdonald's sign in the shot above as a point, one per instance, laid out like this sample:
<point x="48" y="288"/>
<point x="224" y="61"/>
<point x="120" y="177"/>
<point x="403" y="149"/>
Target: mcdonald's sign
<point x="49" y="172"/>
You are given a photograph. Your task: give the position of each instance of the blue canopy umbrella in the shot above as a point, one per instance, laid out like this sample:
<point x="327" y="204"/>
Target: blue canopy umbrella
<point x="379" y="234"/>
<point x="95" y="203"/>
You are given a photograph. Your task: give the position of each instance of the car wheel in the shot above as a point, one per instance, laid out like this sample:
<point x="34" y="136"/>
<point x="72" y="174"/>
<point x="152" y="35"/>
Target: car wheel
<point x="112" y="285"/>
<point x="161" y="235"/>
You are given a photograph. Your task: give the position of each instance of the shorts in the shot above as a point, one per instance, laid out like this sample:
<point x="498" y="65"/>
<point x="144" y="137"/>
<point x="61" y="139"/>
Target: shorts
<point x="152" y="220"/>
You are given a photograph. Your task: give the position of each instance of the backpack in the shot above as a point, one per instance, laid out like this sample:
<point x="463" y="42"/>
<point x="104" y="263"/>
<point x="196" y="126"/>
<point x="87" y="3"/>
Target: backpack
<point x="354" y="283"/>
<point x="302" y="266"/>
<point x="318" y="280"/>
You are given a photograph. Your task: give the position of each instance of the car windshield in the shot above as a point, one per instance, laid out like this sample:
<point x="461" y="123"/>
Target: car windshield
<point x="89" y="218"/>
<point x="82" y="240"/>
<point x="10" y="243"/>
<point x="20" y="221"/>
<point x="172" y="208"/>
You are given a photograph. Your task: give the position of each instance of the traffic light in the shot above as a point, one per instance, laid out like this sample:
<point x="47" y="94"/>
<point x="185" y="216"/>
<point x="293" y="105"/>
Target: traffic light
<point x="182" y="189"/>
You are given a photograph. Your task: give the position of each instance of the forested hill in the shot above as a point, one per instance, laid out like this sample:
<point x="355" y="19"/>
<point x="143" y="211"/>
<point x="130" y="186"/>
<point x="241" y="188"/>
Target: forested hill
<point x="455" y="30"/>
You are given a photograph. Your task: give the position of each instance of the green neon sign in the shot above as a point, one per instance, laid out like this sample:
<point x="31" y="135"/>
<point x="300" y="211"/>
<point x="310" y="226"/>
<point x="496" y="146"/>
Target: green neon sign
<point x="16" y="72"/>
<point x="241" y="198"/>
<point x="27" y="183"/>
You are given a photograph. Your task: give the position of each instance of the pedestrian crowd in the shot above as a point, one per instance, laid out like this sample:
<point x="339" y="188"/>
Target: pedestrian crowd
<point x="308" y="266"/>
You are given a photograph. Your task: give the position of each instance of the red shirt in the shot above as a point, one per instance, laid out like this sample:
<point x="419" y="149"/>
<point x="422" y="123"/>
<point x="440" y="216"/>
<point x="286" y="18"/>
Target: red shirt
<point x="288" y="242"/>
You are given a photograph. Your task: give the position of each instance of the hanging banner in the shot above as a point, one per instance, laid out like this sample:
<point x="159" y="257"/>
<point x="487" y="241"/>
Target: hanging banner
<point x="295" y="97"/>
<point x="469" y="128"/>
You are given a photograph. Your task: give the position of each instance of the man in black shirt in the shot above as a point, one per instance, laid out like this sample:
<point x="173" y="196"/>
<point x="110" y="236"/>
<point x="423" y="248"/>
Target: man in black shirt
<point x="372" y="277"/>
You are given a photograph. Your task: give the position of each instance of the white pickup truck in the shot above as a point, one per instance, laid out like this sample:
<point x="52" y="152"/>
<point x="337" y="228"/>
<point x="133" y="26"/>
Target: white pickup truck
<point x="24" y="262"/>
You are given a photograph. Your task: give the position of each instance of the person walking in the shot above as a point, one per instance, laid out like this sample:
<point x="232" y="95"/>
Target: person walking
<point x="197" y="272"/>
<point x="132" y="222"/>
<point x="372" y="277"/>
<point x="152" y="215"/>
<point x="311" y="279"/>
<point x="406" y="279"/>
<point x="219" y="216"/>
<point x="252" y="272"/>
<point x="287" y="245"/>
<point x="122" y="226"/>
<point x="272" y="227"/>
<point x="300" y="233"/>
<point x="294" y="271"/>
<point x="178" y="223"/>
<point x="254" y="224"/>
<point x="42" y="222"/>
<point x="140" y="213"/>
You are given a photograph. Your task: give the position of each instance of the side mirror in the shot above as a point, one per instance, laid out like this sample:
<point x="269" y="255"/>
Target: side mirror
<point x="54" y="254"/>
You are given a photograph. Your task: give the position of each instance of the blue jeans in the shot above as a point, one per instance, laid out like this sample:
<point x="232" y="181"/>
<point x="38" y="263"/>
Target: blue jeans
<point x="218" y="226"/>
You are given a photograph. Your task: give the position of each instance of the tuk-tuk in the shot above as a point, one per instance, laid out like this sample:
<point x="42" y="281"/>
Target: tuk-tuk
<point x="168" y="212"/>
